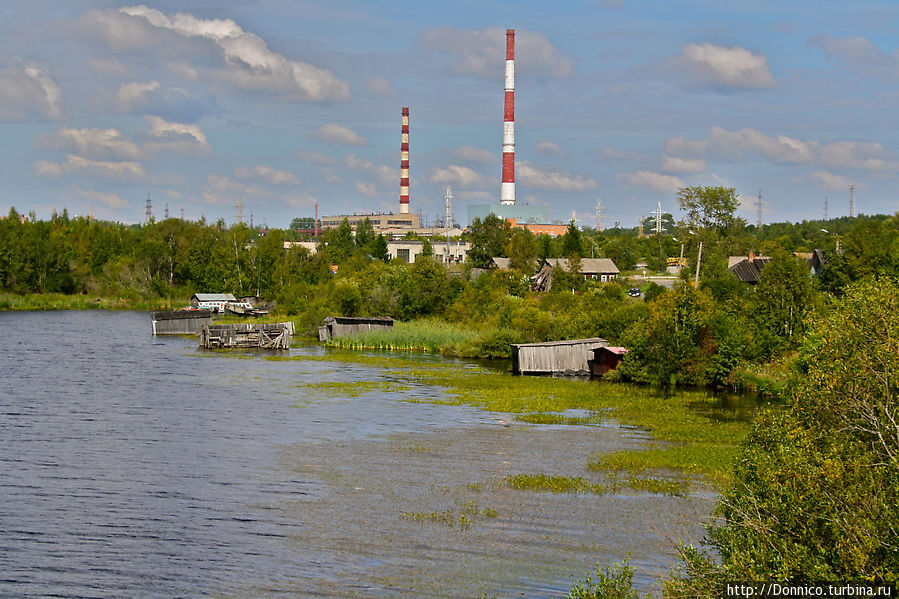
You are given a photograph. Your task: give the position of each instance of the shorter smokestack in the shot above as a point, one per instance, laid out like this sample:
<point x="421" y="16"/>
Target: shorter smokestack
<point x="404" y="164"/>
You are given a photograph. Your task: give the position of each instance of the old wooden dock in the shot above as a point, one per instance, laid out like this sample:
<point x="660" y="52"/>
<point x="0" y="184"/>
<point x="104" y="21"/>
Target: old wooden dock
<point x="246" y="336"/>
<point x="180" y="322"/>
<point x="555" y="357"/>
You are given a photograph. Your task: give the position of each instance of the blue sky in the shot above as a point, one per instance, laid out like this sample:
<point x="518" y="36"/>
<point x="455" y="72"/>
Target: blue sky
<point x="284" y="103"/>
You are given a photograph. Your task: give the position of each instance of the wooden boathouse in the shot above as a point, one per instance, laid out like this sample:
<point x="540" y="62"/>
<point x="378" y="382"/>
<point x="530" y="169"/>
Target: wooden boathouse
<point x="606" y="359"/>
<point x="344" y="326"/>
<point x="555" y="357"/>
<point x="246" y="336"/>
<point x="180" y="322"/>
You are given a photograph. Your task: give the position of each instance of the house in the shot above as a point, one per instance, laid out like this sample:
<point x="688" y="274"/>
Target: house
<point x="214" y="302"/>
<point x="747" y="269"/>
<point x="606" y="359"/>
<point x="597" y="269"/>
<point x="500" y="263"/>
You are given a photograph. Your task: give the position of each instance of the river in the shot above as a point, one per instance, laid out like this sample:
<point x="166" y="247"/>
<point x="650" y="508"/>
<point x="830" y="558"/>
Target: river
<point x="135" y="465"/>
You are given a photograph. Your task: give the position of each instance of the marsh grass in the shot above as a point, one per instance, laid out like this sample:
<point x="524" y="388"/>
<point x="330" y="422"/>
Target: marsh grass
<point x="578" y="485"/>
<point x="463" y="514"/>
<point x="351" y="388"/>
<point x="60" y="301"/>
<point x="542" y="418"/>
<point x="692" y="432"/>
<point x="426" y="335"/>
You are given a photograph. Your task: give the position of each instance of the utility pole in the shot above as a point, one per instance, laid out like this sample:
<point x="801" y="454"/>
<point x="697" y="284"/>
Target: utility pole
<point x="698" y="262"/>
<point x="758" y="219"/>
<point x="598" y="214"/>
<point x="852" y="201"/>
<point x="826" y="217"/>
<point x="239" y="215"/>
<point x="658" y="228"/>
<point x="166" y="211"/>
<point x="149" y="212"/>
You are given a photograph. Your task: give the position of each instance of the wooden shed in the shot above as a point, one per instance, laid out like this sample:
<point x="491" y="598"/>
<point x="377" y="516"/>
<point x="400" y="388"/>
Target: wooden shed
<point x="344" y="326"/>
<point x="606" y="359"/>
<point x="555" y="357"/>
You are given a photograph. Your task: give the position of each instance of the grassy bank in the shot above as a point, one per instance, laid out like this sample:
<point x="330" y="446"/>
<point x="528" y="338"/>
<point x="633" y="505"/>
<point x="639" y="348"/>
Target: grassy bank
<point x="60" y="301"/>
<point x="428" y="335"/>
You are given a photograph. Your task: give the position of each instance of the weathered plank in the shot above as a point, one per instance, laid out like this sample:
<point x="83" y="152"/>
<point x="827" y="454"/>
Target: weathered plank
<point x="555" y="357"/>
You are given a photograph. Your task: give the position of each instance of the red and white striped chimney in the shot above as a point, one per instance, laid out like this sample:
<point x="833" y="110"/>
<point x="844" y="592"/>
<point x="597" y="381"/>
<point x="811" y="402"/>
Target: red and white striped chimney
<point x="404" y="164"/>
<point x="507" y="191"/>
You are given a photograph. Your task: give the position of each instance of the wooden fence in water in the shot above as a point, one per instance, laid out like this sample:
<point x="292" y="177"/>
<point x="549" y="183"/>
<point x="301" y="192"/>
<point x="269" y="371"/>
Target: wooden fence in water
<point x="180" y="322"/>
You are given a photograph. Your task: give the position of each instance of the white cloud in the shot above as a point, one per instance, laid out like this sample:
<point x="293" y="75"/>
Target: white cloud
<point x="380" y="86"/>
<point x="532" y="176"/>
<point x="723" y="69"/>
<point x="266" y="174"/>
<point x="300" y="200"/>
<point x="333" y="133"/>
<point x="47" y="169"/>
<point x="384" y="175"/>
<point x="183" y="70"/>
<point x="222" y="191"/>
<point x="123" y="170"/>
<point x="457" y="175"/>
<point x="247" y="61"/>
<point x="95" y="143"/>
<point x="856" y="50"/>
<point x="131" y="93"/>
<point x="472" y="154"/>
<point x="482" y="52"/>
<point x="107" y="199"/>
<point x="108" y="65"/>
<point x="175" y="137"/>
<point x="549" y="147"/>
<point x="316" y="157"/>
<point x="782" y="149"/>
<point x="828" y="181"/>
<point x="28" y="89"/>
<point x="655" y="181"/>
<point x="475" y="196"/>
<point x="366" y="188"/>
<point x="616" y="154"/>
<point x="673" y="164"/>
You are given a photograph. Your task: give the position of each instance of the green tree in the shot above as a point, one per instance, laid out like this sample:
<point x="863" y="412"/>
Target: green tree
<point x="378" y="248"/>
<point x="572" y="241"/>
<point x="782" y="298"/>
<point x="365" y="234"/>
<point x="709" y="207"/>
<point x="522" y="251"/>
<point x="489" y="239"/>
<point x="815" y="489"/>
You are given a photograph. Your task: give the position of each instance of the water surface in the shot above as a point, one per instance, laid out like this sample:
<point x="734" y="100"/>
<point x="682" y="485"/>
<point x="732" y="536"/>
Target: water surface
<point x="139" y="465"/>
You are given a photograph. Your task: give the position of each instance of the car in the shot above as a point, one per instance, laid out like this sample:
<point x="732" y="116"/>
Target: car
<point x="634" y="292"/>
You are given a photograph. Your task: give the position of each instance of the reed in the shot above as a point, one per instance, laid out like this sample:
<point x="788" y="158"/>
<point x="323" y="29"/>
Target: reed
<point x="428" y="335"/>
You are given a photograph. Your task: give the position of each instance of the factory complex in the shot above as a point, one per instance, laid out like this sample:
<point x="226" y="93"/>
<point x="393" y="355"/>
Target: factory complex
<point x="534" y="218"/>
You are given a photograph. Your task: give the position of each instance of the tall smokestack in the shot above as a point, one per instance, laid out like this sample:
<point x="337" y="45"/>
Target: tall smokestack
<point x="404" y="164"/>
<point x="507" y="191"/>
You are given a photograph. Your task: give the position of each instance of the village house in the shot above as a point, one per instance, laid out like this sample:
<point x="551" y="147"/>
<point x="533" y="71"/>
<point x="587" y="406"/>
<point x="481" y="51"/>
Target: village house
<point x="596" y="269"/>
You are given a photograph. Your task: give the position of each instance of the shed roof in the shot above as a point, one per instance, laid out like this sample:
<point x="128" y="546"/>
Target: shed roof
<point x="749" y="269"/>
<point x="214" y="297"/>
<point x="589" y="266"/>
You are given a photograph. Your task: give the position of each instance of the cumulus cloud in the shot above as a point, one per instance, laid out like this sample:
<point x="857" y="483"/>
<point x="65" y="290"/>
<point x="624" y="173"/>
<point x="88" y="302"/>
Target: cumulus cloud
<point x="300" y="200"/>
<point x="828" y="181"/>
<point x="458" y="175"/>
<point x="316" y="157"/>
<point x="29" y="89"/>
<point x="104" y="169"/>
<point x="48" y="170"/>
<point x="380" y="86"/>
<point x="267" y="174"/>
<point x="782" y="149"/>
<point x="222" y="191"/>
<point x="673" y="164"/>
<point x="366" y="188"/>
<point x="549" y="147"/>
<point x="533" y="176"/>
<point x="855" y="50"/>
<point x="183" y="138"/>
<point x="384" y="175"/>
<point x="482" y="52"/>
<point x="722" y="69"/>
<point x="333" y="133"/>
<point x="95" y="143"/>
<point x="107" y="199"/>
<point x="616" y="154"/>
<point x="655" y="181"/>
<point x="472" y="154"/>
<point x="247" y="61"/>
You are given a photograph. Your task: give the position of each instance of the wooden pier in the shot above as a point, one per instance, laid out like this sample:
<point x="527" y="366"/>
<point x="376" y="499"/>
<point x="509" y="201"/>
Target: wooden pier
<point x="180" y="322"/>
<point x="555" y="357"/>
<point x="343" y="326"/>
<point x="246" y="336"/>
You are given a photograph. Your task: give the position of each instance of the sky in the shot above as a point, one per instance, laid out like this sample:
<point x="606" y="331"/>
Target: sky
<point x="277" y="105"/>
